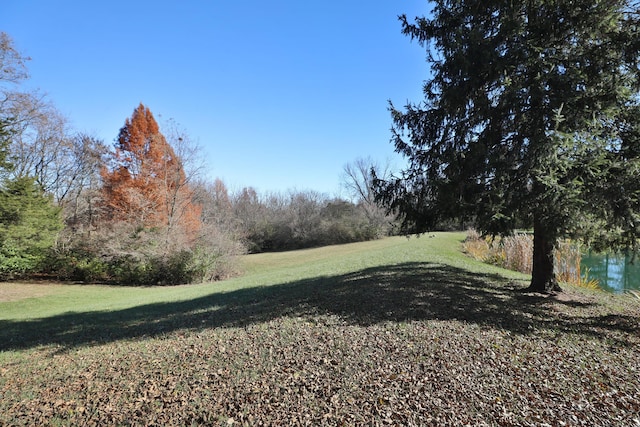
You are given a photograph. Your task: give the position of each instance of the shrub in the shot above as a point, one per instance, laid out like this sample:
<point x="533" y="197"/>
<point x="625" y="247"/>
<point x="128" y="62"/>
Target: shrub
<point x="75" y="264"/>
<point x="142" y="257"/>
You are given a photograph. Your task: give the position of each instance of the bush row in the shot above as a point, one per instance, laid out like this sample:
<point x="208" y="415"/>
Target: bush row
<point x="185" y="266"/>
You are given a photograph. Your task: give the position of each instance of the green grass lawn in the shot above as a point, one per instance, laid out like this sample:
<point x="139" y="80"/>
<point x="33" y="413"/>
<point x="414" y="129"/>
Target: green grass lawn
<point x="260" y="271"/>
<point x="396" y="331"/>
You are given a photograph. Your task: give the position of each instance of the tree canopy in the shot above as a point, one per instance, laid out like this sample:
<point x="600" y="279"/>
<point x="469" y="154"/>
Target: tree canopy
<point x="146" y="183"/>
<point x="4" y="145"/>
<point x="529" y="120"/>
<point x="29" y="220"/>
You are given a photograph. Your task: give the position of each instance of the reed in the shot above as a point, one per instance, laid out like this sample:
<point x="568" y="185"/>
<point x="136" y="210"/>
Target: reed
<point x="515" y="252"/>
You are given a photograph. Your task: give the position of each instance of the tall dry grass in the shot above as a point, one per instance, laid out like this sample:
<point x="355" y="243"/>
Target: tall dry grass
<point x="515" y="252"/>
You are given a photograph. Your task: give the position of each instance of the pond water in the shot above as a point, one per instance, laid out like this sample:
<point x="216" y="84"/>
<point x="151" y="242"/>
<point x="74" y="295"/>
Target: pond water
<point x="615" y="273"/>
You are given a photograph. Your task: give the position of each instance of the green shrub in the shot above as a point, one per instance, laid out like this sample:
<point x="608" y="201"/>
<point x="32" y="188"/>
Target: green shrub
<point x="15" y="263"/>
<point x="76" y="265"/>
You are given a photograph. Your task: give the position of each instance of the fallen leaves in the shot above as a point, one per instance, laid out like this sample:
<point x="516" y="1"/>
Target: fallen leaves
<point x="295" y="372"/>
<point x="320" y="370"/>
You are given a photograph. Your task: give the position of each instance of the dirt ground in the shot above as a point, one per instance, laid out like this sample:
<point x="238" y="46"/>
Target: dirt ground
<point x="13" y="291"/>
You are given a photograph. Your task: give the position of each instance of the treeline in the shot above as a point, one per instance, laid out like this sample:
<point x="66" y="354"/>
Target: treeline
<point x="74" y="208"/>
<point x="295" y="220"/>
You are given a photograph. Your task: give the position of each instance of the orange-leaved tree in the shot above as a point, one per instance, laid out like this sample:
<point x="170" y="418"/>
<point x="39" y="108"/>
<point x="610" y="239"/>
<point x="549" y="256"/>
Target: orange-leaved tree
<point x="145" y="183"/>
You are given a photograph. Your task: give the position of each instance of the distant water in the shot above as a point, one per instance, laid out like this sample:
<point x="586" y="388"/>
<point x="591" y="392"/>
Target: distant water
<point x="615" y="273"/>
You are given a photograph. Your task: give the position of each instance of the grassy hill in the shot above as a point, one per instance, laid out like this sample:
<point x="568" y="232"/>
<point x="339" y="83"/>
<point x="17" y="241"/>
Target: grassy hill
<point x="396" y="331"/>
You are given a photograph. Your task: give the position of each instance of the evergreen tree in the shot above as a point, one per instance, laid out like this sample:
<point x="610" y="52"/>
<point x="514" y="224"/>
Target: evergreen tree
<point x="29" y="221"/>
<point x="529" y="120"/>
<point x="29" y="225"/>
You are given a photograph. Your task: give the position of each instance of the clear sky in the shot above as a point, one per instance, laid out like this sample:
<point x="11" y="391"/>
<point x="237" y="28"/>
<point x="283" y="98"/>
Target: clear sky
<point x="279" y="94"/>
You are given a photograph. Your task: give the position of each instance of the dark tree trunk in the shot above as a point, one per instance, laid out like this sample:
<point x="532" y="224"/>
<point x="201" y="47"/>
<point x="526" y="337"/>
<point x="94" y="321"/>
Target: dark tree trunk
<point x="543" y="277"/>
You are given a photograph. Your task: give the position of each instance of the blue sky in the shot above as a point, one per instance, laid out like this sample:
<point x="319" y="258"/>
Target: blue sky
<point x="278" y="94"/>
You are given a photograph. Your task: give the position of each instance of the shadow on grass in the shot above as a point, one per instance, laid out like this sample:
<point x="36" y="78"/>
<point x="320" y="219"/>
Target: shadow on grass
<point x="396" y="293"/>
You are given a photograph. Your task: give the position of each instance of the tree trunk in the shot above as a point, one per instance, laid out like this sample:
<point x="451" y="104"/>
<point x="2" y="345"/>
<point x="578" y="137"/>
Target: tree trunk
<point x="543" y="277"/>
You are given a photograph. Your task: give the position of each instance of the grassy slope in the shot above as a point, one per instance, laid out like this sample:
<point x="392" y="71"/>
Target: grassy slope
<point x="260" y="270"/>
<point x="392" y="331"/>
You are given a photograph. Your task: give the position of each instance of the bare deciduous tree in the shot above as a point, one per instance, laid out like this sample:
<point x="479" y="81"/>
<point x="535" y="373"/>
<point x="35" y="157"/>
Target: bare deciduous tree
<point x="81" y="201"/>
<point x="42" y="144"/>
<point x="357" y="179"/>
<point x="13" y="68"/>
